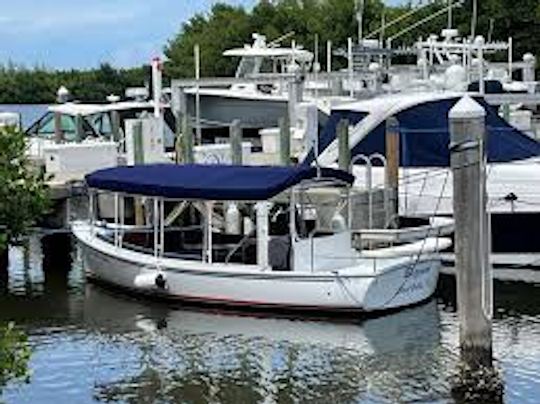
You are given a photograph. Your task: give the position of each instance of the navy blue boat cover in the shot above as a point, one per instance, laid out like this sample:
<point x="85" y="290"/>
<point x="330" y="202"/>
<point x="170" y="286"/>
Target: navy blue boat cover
<point x="207" y="182"/>
<point x="425" y="137"/>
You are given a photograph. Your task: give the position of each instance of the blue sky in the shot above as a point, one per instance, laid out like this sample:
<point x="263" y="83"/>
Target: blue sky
<point x="83" y="33"/>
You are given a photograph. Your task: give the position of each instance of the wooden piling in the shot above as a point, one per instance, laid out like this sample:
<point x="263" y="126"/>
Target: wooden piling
<point x="180" y="110"/>
<point x="58" y="132"/>
<point x="284" y="141"/>
<point x="178" y="150"/>
<point x="235" y="139"/>
<point x="115" y="125"/>
<point x="472" y="237"/>
<point x="138" y="159"/>
<point x="344" y="158"/>
<point x="79" y="128"/>
<point x="187" y="140"/>
<point x="392" y="165"/>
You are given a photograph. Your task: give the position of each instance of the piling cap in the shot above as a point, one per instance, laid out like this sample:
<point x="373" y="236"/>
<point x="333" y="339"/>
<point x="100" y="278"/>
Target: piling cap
<point x="466" y="107"/>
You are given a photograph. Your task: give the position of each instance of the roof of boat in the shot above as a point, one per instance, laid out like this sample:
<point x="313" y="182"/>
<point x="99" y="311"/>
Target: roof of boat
<point x="73" y="108"/>
<point x="270" y="52"/>
<point x="209" y="182"/>
<point x="423" y="127"/>
<point x="396" y="102"/>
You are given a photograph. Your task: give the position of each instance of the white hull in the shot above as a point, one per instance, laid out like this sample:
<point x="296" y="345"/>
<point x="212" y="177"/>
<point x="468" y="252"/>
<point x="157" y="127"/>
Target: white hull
<point x="370" y="285"/>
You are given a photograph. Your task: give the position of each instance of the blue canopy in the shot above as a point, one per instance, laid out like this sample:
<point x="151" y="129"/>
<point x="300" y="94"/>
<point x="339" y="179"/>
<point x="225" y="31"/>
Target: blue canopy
<point x="424" y="135"/>
<point x="207" y="182"/>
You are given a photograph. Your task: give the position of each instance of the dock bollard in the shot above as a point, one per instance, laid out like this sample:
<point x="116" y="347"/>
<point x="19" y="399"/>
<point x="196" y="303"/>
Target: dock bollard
<point x="472" y="248"/>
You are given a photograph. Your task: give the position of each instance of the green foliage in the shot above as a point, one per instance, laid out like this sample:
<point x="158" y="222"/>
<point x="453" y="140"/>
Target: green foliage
<point x="34" y="86"/>
<point x="14" y="354"/>
<point x="23" y="192"/>
<point x="225" y="27"/>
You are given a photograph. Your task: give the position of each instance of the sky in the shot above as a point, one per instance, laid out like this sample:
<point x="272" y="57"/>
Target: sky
<point x="63" y="34"/>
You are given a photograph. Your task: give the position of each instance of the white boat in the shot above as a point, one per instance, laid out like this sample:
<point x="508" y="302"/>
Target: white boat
<point x="298" y="255"/>
<point x="257" y="106"/>
<point x="425" y="176"/>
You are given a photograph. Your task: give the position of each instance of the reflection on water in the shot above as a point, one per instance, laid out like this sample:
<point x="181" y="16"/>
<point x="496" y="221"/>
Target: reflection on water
<point x="91" y="344"/>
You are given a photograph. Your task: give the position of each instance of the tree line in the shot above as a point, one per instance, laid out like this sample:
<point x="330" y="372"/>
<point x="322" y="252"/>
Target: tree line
<point x="225" y="26"/>
<point x="228" y="26"/>
<point x="20" y="85"/>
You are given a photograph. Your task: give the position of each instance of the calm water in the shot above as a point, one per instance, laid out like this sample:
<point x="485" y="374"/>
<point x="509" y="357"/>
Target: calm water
<point x="95" y="345"/>
<point x="29" y="113"/>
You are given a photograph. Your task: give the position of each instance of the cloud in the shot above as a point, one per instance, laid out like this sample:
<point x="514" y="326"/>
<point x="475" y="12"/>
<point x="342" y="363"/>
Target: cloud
<point x="48" y="19"/>
<point x="82" y="33"/>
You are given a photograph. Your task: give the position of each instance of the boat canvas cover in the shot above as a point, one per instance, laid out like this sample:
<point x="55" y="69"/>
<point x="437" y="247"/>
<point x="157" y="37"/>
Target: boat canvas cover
<point x="208" y="182"/>
<point x="425" y="136"/>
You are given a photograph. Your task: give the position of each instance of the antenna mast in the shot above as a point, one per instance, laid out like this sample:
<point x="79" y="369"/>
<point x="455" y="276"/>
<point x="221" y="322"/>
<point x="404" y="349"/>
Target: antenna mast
<point x="360" y="18"/>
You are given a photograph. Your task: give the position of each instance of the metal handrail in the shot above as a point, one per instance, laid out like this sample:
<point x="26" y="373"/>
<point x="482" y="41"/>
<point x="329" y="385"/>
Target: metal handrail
<point x="237" y="246"/>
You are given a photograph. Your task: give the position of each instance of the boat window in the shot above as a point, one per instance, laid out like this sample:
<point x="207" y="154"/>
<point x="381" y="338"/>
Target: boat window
<point x="101" y="123"/>
<point x="45" y="127"/>
<point x="248" y="66"/>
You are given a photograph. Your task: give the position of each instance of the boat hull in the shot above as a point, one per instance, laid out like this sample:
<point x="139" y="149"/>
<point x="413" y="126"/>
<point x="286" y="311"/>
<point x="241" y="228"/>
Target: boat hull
<point x="406" y="282"/>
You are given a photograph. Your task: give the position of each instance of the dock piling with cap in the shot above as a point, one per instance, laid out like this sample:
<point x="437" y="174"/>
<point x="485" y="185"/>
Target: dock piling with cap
<point x="468" y="148"/>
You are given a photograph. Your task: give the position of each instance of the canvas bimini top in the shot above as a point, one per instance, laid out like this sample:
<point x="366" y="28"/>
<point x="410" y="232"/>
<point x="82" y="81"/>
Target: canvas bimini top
<point x="208" y="182"/>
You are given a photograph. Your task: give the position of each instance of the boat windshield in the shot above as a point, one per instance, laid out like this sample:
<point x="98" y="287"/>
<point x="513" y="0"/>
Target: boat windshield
<point x="248" y="66"/>
<point x="92" y="125"/>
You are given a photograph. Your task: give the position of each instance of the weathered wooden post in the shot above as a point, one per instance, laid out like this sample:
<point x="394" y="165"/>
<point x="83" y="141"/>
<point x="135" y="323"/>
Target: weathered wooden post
<point x="472" y="243"/>
<point x="179" y="103"/>
<point x="284" y="141"/>
<point x="115" y="126"/>
<point x="58" y="132"/>
<point x="79" y="128"/>
<point x="187" y="140"/>
<point x="344" y="158"/>
<point x="138" y="157"/>
<point x="235" y="136"/>
<point x="178" y="138"/>
<point x="392" y="166"/>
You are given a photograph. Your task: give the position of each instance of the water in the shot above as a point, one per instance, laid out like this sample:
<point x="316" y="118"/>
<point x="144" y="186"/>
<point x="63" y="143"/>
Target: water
<point x="90" y="344"/>
<point x="29" y="113"/>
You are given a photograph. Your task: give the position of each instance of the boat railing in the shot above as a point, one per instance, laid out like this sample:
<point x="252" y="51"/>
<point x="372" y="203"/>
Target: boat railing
<point x="369" y="163"/>
<point x="237" y="247"/>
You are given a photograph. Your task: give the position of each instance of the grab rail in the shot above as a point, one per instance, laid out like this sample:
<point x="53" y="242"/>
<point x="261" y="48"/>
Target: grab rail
<point x="237" y="247"/>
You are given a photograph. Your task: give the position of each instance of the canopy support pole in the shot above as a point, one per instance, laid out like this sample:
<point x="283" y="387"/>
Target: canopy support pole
<point x="116" y="236"/>
<point x="207" y="234"/>
<point x="262" y="233"/>
<point x="91" y="210"/>
<point x="156" y="220"/>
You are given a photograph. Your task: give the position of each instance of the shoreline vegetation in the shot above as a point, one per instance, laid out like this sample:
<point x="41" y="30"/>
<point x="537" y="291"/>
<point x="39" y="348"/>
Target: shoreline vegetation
<point x="225" y="26"/>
